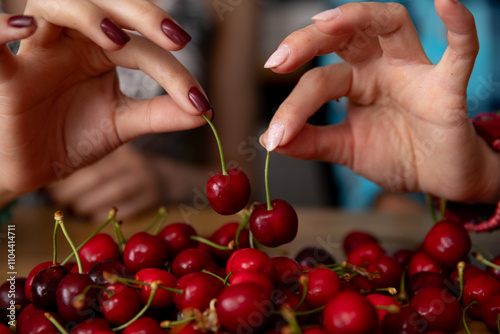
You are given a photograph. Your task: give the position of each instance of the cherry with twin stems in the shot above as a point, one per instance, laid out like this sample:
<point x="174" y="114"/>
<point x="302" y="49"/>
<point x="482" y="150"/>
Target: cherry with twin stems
<point x="228" y="191"/>
<point x="275" y="222"/>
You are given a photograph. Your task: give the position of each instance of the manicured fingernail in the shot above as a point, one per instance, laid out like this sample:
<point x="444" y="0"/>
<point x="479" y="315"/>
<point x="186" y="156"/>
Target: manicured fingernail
<point x="198" y="100"/>
<point x="173" y="31"/>
<point x="278" y="57"/>
<point x="114" y="32"/>
<point x="274" y="135"/>
<point x="327" y="15"/>
<point x="21" y="21"/>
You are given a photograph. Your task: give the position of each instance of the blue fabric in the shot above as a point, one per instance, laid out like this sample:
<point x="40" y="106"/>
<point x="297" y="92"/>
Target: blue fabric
<point x="355" y="192"/>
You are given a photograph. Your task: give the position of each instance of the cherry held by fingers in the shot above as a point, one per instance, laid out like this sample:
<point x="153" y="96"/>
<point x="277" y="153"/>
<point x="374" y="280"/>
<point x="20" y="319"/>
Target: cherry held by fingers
<point x="228" y="193"/>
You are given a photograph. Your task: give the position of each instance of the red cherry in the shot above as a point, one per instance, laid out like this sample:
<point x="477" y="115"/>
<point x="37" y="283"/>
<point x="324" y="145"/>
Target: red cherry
<point x="96" y="273"/>
<point x="251" y="259"/>
<point x="361" y="283"/>
<point x="4" y="329"/>
<point x="228" y="194"/>
<point x="177" y="237"/>
<point x="469" y="272"/>
<point x="37" y="323"/>
<point x="44" y="287"/>
<point x="14" y="290"/>
<point x="447" y="242"/>
<point x="479" y="289"/>
<point x="119" y="303"/>
<point x="223" y="236"/>
<point x="425" y="279"/>
<point x="388" y="269"/>
<point x="407" y="321"/>
<point x="162" y="298"/>
<point x="72" y="285"/>
<point x="492" y="270"/>
<point x="275" y="226"/>
<point x="365" y="254"/>
<point x="144" y="250"/>
<point x="90" y="326"/>
<point x="421" y="261"/>
<point x="350" y="312"/>
<point x="377" y="299"/>
<point x="99" y="248"/>
<point x="403" y="256"/>
<point x="491" y="312"/>
<point x="198" y="289"/>
<point x="192" y="260"/>
<point x="244" y="308"/>
<point x="440" y="309"/>
<point x="322" y="285"/>
<point x="254" y="277"/>
<point x="144" y="325"/>
<point x="288" y="272"/>
<point x="354" y="239"/>
<point x="31" y="275"/>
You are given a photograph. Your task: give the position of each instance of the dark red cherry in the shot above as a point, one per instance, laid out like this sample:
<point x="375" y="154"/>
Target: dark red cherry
<point x="44" y="287"/>
<point x="491" y="312"/>
<point x="447" y="242"/>
<point x="275" y="226"/>
<point x="407" y="320"/>
<point x="251" y="259"/>
<point x="90" y="326"/>
<point x="198" y="289"/>
<point x="322" y="285"/>
<point x="144" y="325"/>
<point x="177" y="237"/>
<point x="119" y="303"/>
<point x="223" y="236"/>
<point x="313" y="256"/>
<point x="440" y="309"/>
<point x="244" y="308"/>
<point x="163" y="298"/>
<point x="421" y="261"/>
<point x="192" y="260"/>
<point x="37" y="323"/>
<point x="365" y="254"/>
<point x="99" y="248"/>
<point x="425" y="279"/>
<point x="350" y="312"/>
<point x="356" y="238"/>
<point x="479" y="289"/>
<point x="96" y="272"/>
<point x="4" y="329"/>
<point x="388" y="269"/>
<point x="228" y="194"/>
<point x="495" y="272"/>
<point x="31" y="275"/>
<point x="288" y="272"/>
<point x="144" y="250"/>
<point x="469" y="272"/>
<point x="13" y="290"/>
<point x="71" y="286"/>
<point x="403" y="256"/>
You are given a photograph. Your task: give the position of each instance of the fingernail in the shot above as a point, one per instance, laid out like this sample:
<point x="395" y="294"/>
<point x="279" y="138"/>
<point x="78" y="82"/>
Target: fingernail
<point x="454" y="1"/>
<point x="198" y="100"/>
<point x="274" y="135"/>
<point x="173" y="31"/>
<point x="21" y="21"/>
<point x="278" y="57"/>
<point x="327" y="15"/>
<point x="114" y="32"/>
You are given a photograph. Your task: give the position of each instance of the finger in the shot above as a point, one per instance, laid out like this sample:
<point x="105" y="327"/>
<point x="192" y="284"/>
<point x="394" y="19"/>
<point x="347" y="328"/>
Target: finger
<point x="13" y="28"/>
<point x="149" y="20"/>
<point x="316" y="87"/>
<point x="458" y="60"/>
<point x="81" y="16"/>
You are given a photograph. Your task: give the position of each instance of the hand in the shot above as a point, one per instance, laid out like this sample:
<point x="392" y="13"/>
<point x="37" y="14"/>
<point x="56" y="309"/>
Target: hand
<point x="407" y="127"/>
<point x="60" y="104"/>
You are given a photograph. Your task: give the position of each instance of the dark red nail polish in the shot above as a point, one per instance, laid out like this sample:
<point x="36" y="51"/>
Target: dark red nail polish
<point x="199" y="100"/>
<point x="21" y="21"/>
<point x="114" y="32"/>
<point x="173" y="31"/>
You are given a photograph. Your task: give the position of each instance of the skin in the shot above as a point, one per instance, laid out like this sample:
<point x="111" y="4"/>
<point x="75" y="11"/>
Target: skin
<point x="407" y="127"/>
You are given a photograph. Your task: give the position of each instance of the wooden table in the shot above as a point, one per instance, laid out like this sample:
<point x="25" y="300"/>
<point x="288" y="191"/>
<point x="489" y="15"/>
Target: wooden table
<point x="325" y="227"/>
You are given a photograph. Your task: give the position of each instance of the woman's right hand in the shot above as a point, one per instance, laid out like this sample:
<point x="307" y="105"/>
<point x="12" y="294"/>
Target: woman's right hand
<point x="60" y="104"/>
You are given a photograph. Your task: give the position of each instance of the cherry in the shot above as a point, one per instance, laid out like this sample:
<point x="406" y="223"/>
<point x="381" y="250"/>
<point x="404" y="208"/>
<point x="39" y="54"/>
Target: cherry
<point x="322" y="285"/>
<point x="356" y="238"/>
<point x="491" y="312"/>
<point x="314" y="330"/>
<point x="274" y="224"/>
<point x="447" y="242"/>
<point x="407" y="321"/>
<point x="288" y="272"/>
<point x="365" y="254"/>
<point x="91" y="325"/>
<point x="254" y="277"/>
<point x="31" y="275"/>
<point x="421" y="261"/>
<point x="223" y="236"/>
<point x="388" y="269"/>
<point x="292" y="299"/>
<point x="495" y="272"/>
<point x="198" y="289"/>
<point x="177" y="237"/>
<point x="99" y="248"/>
<point x="37" y="323"/>
<point x="314" y="256"/>
<point x="144" y="325"/>
<point x="25" y="313"/>
<point x="119" y="303"/>
<point x="71" y="286"/>
<point x="350" y="312"/>
<point x="228" y="192"/>
<point x="192" y="260"/>
<point x="361" y="283"/>
<point x="377" y="299"/>
<point x="403" y="256"/>
<point x="44" y="287"/>
<point x="13" y="290"/>
<point x="163" y="298"/>
<point x="479" y="289"/>
<point x="469" y="272"/>
<point x="4" y="329"/>
<point x="96" y="272"/>
<point x="440" y="309"/>
<point x="425" y="279"/>
<point x="251" y="259"/>
<point x="144" y="250"/>
<point x="244" y="308"/>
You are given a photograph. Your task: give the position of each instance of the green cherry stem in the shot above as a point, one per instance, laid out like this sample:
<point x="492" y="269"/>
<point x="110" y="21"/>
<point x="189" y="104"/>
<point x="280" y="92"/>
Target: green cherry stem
<point x="304" y="282"/>
<point x="266" y="180"/>
<point x="230" y="246"/>
<point x="172" y="323"/>
<point x="460" y="270"/>
<point x="223" y="280"/>
<point x="56" y="323"/>
<point x="58" y="216"/>
<point x="289" y="316"/>
<point x="158" y="220"/>
<point x="480" y="258"/>
<point x="243" y="223"/>
<point x="54" y="243"/>
<point x="111" y="216"/>
<point x="113" y="278"/>
<point x="224" y="170"/>
<point x="464" y="320"/>
<point x="431" y="208"/>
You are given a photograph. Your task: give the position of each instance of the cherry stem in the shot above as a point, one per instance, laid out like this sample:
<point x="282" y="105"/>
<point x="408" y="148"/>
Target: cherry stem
<point x="392" y="309"/>
<point x="498" y="322"/>
<point x="154" y="288"/>
<point x="391" y="290"/>
<point x="230" y="246"/>
<point x="460" y="269"/>
<point x="226" y="279"/>
<point x="243" y="223"/>
<point x="289" y="316"/>
<point x="224" y="171"/>
<point x="403" y="296"/>
<point x="321" y="308"/>
<point x="474" y="302"/>
<point x="442" y="207"/>
<point x="55" y="323"/>
<point x="120" y="238"/>
<point x="111" y="216"/>
<point x="266" y="180"/>
<point x="58" y="216"/>
<point x="484" y="250"/>
<point x="481" y="259"/>
<point x="223" y="280"/>
<point x="172" y="323"/>
<point x="303" y="280"/>
<point x="431" y="208"/>
<point x="54" y="244"/>
<point x="160" y="217"/>
<point x="112" y="278"/>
